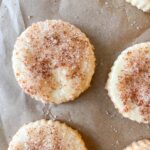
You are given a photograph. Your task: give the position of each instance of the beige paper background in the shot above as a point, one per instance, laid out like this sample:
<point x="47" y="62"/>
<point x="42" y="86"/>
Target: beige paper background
<point x="111" y="25"/>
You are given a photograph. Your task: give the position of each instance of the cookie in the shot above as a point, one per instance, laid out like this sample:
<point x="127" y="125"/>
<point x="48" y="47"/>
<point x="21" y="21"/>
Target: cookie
<point x="128" y="84"/>
<point x="139" y="145"/>
<point x="53" y="61"/>
<point x="144" y="5"/>
<point x="46" y="135"/>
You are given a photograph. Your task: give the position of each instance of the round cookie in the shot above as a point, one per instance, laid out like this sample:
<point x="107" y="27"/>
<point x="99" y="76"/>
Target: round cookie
<point x="144" y="5"/>
<point x="129" y="83"/>
<point x="53" y="61"/>
<point x="46" y="135"/>
<point x="139" y="145"/>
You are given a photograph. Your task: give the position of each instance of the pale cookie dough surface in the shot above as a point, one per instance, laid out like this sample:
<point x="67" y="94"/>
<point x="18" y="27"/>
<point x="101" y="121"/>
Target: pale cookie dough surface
<point x="129" y="83"/>
<point x="141" y="4"/>
<point x="139" y="145"/>
<point x="46" y="135"/>
<point x="53" y="61"/>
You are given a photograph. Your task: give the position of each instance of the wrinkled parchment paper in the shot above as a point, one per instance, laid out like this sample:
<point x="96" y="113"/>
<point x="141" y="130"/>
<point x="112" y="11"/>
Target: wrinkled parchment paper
<point x="111" y="25"/>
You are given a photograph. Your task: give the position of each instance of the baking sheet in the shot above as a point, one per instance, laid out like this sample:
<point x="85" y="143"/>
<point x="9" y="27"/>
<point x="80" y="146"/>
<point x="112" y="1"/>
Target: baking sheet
<point x="111" y="25"/>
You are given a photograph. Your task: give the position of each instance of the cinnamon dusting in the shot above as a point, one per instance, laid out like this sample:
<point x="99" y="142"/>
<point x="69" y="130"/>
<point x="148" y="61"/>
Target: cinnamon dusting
<point x="134" y="82"/>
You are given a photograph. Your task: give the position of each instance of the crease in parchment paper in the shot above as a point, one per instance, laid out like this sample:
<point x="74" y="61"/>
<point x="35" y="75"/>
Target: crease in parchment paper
<point x="127" y="17"/>
<point x="3" y="140"/>
<point x="14" y="104"/>
<point x="144" y="36"/>
<point x="11" y="25"/>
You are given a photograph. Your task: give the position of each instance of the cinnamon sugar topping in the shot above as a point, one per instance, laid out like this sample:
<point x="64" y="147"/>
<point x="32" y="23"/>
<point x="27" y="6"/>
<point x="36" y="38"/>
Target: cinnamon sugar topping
<point x="43" y="138"/>
<point x="134" y="81"/>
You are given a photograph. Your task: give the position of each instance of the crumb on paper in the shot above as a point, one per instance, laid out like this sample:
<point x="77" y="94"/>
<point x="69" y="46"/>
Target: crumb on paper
<point x="29" y="17"/>
<point x="115" y="130"/>
<point x="76" y="17"/>
<point x="148" y="126"/>
<point x="107" y="112"/>
<point x="69" y="119"/>
<point x="137" y="27"/>
<point x="106" y="3"/>
<point x="55" y="117"/>
<point x="133" y="23"/>
<point x="112" y="144"/>
<point x="117" y="142"/>
<point x="112" y="115"/>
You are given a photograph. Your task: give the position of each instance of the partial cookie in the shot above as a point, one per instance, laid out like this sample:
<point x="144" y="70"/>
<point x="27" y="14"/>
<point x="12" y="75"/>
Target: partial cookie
<point x="129" y="83"/>
<point x="46" y="135"/>
<point x="53" y="61"/>
<point x="141" y="4"/>
<point x="139" y="145"/>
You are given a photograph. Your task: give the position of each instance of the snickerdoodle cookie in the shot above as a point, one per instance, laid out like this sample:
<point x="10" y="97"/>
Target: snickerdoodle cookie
<point x="53" y="61"/>
<point x="46" y="135"/>
<point x="129" y="83"/>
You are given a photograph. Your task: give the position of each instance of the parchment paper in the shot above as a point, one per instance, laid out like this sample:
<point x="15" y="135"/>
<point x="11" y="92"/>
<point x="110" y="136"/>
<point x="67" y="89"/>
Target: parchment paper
<point x="111" y="25"/>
